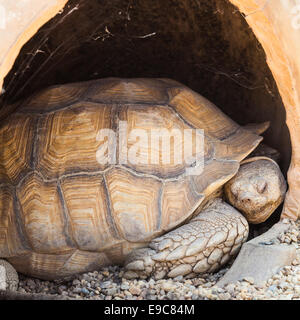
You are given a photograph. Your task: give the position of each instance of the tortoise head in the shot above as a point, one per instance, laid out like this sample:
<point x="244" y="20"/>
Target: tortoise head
<point x="257" y="189"/>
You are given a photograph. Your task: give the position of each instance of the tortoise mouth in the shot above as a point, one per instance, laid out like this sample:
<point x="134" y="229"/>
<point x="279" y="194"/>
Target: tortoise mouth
<point x="206" y="45"/>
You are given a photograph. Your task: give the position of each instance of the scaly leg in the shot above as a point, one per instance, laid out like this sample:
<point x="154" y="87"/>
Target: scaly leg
<point x="203" y="245"/>
<point x="8" y="277"/>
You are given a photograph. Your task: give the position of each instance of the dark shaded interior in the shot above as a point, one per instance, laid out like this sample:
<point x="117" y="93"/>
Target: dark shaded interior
<point x="207" y="45"/>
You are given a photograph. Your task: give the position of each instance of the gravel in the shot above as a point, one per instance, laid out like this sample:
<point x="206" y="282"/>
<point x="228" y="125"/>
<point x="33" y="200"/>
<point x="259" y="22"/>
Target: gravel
<point x="109" y="284"/>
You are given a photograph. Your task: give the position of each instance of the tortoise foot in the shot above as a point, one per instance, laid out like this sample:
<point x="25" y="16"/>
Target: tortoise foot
<point x="9" y="279"/>
<point x="203" y="245"/>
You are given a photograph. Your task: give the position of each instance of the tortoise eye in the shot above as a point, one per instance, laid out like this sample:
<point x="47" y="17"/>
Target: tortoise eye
<point x="262" y="187"/>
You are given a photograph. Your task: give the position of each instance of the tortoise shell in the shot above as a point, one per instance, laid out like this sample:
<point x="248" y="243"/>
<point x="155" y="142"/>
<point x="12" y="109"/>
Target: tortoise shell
<point x="63" y="212"/>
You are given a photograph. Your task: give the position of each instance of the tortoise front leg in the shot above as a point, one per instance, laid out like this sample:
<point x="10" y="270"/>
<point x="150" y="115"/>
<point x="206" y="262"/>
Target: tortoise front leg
<point x="203" y="245"/>
<point x="9" y="279"/>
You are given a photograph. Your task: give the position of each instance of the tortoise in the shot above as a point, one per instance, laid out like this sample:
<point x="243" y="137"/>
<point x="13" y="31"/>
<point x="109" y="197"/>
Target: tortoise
<point x="69" y="205"/>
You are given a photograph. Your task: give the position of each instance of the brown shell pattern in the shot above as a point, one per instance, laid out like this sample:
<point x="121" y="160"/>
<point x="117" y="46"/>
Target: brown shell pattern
<point x="61" y="211"/>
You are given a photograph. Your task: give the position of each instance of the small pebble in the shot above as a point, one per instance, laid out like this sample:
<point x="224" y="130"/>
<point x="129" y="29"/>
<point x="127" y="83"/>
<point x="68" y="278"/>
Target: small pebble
<point x="85" y="291"/>
<point x="135" y="291"/>
<point x="249" y="280"/>
<point x="125" y="286"/>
